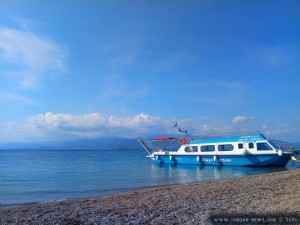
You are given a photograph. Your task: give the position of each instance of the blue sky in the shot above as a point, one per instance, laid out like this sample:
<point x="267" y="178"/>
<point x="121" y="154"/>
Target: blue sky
<point x="99" y="68"/>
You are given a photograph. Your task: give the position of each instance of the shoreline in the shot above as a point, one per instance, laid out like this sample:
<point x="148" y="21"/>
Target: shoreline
<point x="269" y="194"/>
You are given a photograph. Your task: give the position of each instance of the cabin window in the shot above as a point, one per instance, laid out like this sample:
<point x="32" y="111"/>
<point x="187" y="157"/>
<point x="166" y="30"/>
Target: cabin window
<point x="251" y="145"/>
<point x="191" y="149"/>
<point x="207" y="148"/>
<point x="240" y="145"/>
<point x="227" y="147"/>
<point x="263" y="146"/>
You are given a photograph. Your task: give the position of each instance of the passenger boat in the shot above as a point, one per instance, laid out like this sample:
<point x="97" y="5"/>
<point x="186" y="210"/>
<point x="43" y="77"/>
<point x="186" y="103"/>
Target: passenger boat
<point x="238" y="150"/>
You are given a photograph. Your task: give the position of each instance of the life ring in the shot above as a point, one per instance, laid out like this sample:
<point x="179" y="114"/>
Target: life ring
<point x="182" y="141"/>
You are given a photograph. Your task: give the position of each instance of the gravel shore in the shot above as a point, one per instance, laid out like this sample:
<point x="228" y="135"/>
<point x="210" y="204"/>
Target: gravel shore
<point x="273" y="198"/>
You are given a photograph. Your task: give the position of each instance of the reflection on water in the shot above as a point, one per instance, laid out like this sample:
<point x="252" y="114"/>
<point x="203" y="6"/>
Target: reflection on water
<point x="182" y="173"/>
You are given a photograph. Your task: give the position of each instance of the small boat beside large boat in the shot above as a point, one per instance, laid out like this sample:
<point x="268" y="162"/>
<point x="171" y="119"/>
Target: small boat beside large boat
<point x="238" y="150"/>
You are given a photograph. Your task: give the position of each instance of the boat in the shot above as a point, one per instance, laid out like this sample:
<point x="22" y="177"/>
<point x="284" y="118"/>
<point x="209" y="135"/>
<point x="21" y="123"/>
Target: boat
<point x="237" y="150"/>
<point x="295" y="158"/>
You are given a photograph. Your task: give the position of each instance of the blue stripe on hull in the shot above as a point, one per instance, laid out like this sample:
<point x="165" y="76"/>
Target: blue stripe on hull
<point x="248" y="160"/>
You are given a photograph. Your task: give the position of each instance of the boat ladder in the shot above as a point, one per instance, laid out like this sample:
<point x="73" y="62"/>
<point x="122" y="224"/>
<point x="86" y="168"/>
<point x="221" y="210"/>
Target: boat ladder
<point x="146" y="143"/>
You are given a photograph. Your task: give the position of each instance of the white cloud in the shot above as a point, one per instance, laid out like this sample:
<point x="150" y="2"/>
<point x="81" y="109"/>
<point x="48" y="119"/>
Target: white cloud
<point x="89" y="121"/>
<point x="28" y="57"/>
<point x="239" y="119"/>
<point x="138" y="120"/>
<point x="52" y="126"/>
<point x="51" y="120"/>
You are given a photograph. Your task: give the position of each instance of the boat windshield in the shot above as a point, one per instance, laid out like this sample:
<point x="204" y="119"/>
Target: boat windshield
<point x="273" y="144"/>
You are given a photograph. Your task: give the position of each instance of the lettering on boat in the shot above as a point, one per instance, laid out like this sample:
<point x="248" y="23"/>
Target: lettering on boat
<point x="205" y="160"/>
<point x="224" y="160"/>
<point x="218" y="160"/>
<point x="249" y="138"/>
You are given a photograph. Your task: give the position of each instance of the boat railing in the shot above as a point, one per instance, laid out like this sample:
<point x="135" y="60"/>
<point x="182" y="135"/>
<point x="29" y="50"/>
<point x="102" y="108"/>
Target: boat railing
<point x="166" y="144"/>
<point x="146" y="143"/>
<point x="290" y="149"/>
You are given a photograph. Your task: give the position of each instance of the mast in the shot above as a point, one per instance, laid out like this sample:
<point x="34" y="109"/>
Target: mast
<point x="183" y="131"/>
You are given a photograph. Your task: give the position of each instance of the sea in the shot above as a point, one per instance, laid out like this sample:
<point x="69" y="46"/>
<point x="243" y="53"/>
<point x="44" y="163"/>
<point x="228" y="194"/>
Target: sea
<point x="31" y="176"/>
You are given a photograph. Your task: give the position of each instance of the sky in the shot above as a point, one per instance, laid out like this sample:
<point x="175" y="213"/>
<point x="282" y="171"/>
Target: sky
<point x="90" y="69"/>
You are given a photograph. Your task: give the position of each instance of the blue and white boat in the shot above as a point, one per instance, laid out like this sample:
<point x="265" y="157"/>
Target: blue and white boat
<point x="237" y="150"/>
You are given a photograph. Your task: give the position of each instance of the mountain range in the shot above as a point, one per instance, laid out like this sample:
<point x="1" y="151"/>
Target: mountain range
<point x="99" y="143"/>
<point x="110" y="142"/>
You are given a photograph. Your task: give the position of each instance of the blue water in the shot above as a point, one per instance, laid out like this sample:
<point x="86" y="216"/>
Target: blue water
<point x="28" y="176"/>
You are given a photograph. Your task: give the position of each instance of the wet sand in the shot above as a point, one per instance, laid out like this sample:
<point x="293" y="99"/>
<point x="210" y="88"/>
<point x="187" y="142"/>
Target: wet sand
<point x="273" y="197"/>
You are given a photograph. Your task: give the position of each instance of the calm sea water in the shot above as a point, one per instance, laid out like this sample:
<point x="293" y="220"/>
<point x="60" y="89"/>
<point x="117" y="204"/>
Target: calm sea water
<point x="28" y="176"/>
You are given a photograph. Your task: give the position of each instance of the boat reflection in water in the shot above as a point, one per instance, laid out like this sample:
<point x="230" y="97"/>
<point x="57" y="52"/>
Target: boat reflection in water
<point x="184" y="173"/>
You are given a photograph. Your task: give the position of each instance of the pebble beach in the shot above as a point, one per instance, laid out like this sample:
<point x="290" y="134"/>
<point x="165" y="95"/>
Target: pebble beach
<point x="271" y="198"/>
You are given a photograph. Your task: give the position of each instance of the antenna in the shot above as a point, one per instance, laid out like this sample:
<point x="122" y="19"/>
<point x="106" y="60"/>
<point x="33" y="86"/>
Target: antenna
<point x="182" y="131"/>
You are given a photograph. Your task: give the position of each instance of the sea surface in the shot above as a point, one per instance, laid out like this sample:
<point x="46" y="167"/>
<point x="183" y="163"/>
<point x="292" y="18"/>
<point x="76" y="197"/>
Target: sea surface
<point x="28" y="176"/>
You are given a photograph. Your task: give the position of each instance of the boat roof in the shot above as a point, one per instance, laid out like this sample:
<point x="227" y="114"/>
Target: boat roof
<point x="236" y="138"/>
<point x="165" y="139"/>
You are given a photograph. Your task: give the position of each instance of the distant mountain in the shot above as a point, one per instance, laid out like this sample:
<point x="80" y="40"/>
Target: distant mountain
<point x="30" y="145"/>
<point x="99" y="143"/>
<point x="280" y="143"/>
<point x="110" y="142"/>
<point x="103" y="143"/>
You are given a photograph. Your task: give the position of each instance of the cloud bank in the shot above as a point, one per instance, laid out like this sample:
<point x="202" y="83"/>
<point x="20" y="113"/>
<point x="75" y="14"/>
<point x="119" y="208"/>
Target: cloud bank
<point x="51" y="126"/>
<point x="67" y="126"/>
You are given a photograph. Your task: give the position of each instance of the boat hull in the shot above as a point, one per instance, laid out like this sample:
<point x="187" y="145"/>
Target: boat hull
<point x="224" y="160"/>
